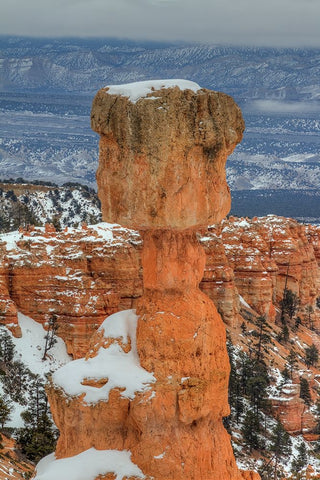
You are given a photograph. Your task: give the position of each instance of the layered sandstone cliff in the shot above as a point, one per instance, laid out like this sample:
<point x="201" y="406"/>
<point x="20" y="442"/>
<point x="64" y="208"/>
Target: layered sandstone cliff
<point x="82" y="275"/>
<point x="114" y="254"/>
<point x="11" y="465"/>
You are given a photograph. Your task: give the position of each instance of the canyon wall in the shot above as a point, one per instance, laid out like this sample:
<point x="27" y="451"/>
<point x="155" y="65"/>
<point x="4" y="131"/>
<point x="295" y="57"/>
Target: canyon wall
<point x="83" y="275"/>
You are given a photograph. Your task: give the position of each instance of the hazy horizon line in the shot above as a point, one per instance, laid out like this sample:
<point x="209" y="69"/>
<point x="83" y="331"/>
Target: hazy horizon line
<point x="148" y="41"/>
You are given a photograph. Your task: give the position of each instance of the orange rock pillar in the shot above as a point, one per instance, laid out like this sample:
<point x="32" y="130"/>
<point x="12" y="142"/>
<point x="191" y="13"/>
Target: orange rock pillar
<point x="163" y="150"/>
<point x="181" y="339"/>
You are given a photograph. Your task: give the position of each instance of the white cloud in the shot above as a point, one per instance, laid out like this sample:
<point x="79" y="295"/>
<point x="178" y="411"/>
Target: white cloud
<point x="276" y="106"/>
<point x="272" y="22"/>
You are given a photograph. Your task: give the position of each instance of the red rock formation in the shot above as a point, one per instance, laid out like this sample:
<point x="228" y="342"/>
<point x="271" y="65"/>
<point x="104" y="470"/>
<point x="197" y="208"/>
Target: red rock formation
<point x="166" y="175"/>
<point x="267" y="253"/>
<point x="180" y="338"/>
<point x="79" y="276"/>
<point x="8" y="311"/>
<point x="218" y="281"/>
<point x="11" y="465"/>
<point x="147" y="178"/>
<point x="292" y="412"/>
<point x="84" y="277"/>
<point x="174" y="142"/>
<point x="116" y="264"/>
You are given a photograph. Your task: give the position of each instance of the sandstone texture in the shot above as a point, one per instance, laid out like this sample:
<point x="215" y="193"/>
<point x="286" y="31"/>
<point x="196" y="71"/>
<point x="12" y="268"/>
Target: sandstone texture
<point x="111" y="256"/>
<point x="162" y="157"/>
<point x="161" y="170"/>
<point x="83" y="275"/>
<point x="172" y="426"/>
<point x="11" y="465"/>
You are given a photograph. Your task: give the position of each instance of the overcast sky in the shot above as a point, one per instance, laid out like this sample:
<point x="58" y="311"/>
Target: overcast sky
<point x="254" y="22"/>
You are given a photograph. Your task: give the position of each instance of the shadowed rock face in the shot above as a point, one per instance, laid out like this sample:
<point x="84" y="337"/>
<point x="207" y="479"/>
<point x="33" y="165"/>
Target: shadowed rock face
<point x="162" y="158"/>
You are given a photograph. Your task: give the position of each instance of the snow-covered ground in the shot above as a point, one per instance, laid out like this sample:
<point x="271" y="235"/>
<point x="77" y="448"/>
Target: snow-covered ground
<point x="88" y="465"/>
<point x="29" y="350"/>
<point x="136" y="90"/>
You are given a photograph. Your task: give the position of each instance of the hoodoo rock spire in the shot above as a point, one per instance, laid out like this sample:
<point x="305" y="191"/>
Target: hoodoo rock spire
<point x="163" y="150"/>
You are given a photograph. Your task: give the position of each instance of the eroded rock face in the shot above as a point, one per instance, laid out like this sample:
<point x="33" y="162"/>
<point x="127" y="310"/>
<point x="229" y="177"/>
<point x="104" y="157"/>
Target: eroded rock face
<point x="87" y="277"/>
<point x="161" y="170"/>
<point x="162" y="157"/>
<point x="73" y="275"/>
<point x="181" y="339"/>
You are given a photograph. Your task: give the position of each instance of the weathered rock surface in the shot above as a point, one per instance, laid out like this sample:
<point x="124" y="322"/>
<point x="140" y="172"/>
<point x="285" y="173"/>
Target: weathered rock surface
<point x="11" y="465"/>
<point x="268" y="253"/>
<point x="161" y="170"/>
<point x="118" y="263"/>
<point x="291" y="410"/>
<point x="163" y="153"/>
<point x="85" y="274"/>
<point x="81" y="276"/>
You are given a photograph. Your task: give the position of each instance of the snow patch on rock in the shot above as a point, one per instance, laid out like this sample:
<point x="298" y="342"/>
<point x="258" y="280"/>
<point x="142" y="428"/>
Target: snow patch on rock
<point x="119" y="369"/>
<point x="88" y="465"/>
<point x="135" y="91"/>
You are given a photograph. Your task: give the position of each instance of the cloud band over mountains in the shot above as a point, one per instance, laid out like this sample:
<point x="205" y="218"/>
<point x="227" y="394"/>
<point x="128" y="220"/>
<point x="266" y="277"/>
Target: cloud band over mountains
<point x="252" y="22"/>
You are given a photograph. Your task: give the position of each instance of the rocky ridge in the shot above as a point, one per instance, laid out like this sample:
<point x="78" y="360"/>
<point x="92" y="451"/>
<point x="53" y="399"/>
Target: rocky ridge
<point x="82" y="275"/>
<point x="246" y="266"/>
<point x="25" y="203"/>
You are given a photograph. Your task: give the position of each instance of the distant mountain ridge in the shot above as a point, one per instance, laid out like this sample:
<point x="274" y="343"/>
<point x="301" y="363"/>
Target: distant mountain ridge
<point x="84" y="65"/>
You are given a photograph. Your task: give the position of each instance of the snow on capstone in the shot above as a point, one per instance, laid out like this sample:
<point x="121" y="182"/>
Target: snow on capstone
<point x="119" y="369"/>
<point x="88" y="465"/>
<point x="137" y="90"/>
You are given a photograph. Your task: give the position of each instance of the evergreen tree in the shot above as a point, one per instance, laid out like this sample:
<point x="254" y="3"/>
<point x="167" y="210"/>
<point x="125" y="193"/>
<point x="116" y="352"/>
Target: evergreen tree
<point x="15" y="382"/>
<point x="284" y="334"/>
<point x="292" y="362"/>
<point x="51" y="335"/>
<point x="305" y="391"/>
<point x="280" y="445"/>
<point x="263" y="337"/>
<point x="6" y="346"/>
<point x="297" y="323"/>
<point x="5" y="410"/>
<point x="309" y="310"/>
<point x="257" y="386"/>
<point x="251" y="429"/>
<point x="312" y="355"/>
<point x="285" y="374"/>
<point x="289" y="303"/>
<point x="37" y="438"/>
<point x="235" y="398"/>
<point x="300" y="462"/>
